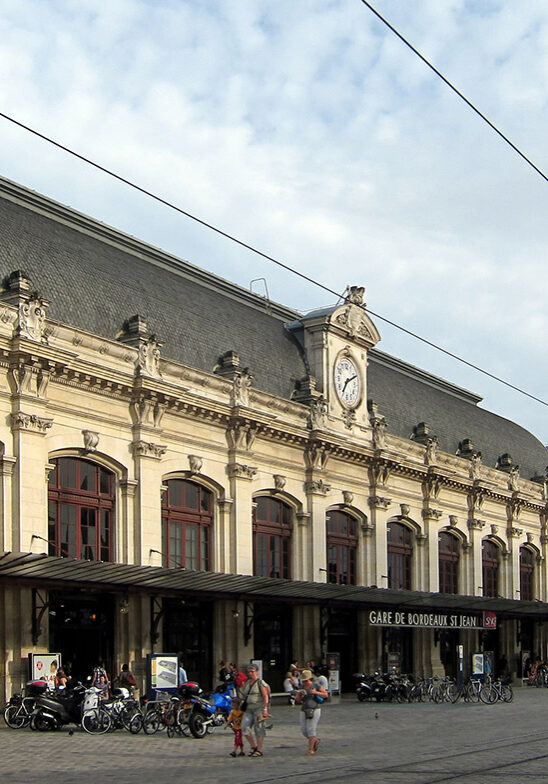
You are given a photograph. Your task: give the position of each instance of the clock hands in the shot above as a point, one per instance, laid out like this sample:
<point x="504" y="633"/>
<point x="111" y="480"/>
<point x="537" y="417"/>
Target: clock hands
<point x="348" y="380"/>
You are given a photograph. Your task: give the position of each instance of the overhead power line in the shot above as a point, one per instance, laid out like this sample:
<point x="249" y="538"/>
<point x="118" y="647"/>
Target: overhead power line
<point x="258" y="252"/>
<point x="456" y="90"/>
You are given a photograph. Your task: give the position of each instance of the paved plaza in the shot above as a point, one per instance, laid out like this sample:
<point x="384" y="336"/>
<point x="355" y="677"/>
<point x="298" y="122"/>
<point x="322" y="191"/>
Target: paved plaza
<point x="384" y="744"/>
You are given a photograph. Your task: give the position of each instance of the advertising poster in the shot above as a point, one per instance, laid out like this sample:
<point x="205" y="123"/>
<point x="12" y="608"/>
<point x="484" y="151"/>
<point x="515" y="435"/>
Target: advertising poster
<point x="163" y="671"/>
<point x="477" y="664"/>
<point x="334" y="666"/>
<point x="43" y="667"/>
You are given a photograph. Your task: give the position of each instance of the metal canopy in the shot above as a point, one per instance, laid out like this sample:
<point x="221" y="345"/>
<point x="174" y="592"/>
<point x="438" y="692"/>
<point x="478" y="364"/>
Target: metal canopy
<point x="57" y="572"/>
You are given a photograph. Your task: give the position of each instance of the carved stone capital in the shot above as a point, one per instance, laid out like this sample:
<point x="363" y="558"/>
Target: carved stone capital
<point x="514" y="533"/>
<point x="142" y="448"/>
<point x="431" y="514"/>
<point x="476" y="525"/>
<point x="128" y="487"/>
<point x="380" y="472"/>
<point x="239" y="471"/>
<point x="378" y="502"/>
<point x="91" y="440"/>
<point x="431" y="487"/>
<point x="147" y="408"/>
<point x="316" y="487"/>
<point x="30" y="422"/>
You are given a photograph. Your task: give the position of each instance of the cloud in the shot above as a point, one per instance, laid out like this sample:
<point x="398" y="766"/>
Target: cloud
<point x="311" y="131"/>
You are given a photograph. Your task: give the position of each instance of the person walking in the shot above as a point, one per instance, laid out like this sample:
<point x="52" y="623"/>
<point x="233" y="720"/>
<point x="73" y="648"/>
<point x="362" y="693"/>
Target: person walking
<point x="255" y="695"/>
<point x="310" y="696"/>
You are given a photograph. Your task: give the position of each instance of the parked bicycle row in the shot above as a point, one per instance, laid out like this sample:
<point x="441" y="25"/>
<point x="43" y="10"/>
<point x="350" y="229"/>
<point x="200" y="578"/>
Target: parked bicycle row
<point x="389" y="687"/>
<point x="190" y="712"/>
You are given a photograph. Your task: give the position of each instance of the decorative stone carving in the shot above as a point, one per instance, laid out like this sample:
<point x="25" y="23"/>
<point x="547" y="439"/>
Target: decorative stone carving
<point x="349" y="418"/>
<point x="195" y="463"/>
<point x="348" y="497"/>
<point x="279" y="481"/>
<point x="513" y="509"/>
<point x="241" y="434"/>
<point x="476" y="498"/>
<point x="542" y="480"/>
<point x="378" y="426"/>
<point x="317" y="416"/>
<point x="514" y="533"/>
<point x="476" y="525"/>
<point x="241" y="384"/>
<point x="378" y="502"/>
<point x="475" y="466"/>
<point x="142" y="448"/>
<point x="431" y="514"/>
<point x="30" y="422"/>
<point x="148" y="357"/>
<point x="513" y="478"/>
<point x="316" y="487"/>
<point x="147" y="409"/>
<point x="353" y="320"/>
<point x="228" y="364"/>
<point x="453" y="520"/>
<point x="91" y="440"/>
<point x="405" y="509"/>
<point x="530" y="537"/>
<point x="31" y="318"/>
<point x="494" y="530"/>
<point x="316" y="455"/>
<point x="431" y="486"/>
<point x="431" y="451"/>
<point x="380" y="472"/>
<point x="355" y="295"/>
<point x="239" y="471"/>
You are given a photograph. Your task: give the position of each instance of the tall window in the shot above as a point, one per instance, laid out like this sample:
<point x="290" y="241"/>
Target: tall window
<point x="490" y="566"/>
<point x="81" y="510"/>
<point x="271" y="538"/>
<point x="342" y="547"/>
<point x="187" y="517"/>
<point x="448" y="557"/>
<point x="400" y="552"/>
<point x="526" y="573"/>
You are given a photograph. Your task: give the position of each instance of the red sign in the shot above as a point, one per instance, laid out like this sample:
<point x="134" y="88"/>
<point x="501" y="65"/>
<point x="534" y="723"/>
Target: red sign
<point x="489" y="620"/>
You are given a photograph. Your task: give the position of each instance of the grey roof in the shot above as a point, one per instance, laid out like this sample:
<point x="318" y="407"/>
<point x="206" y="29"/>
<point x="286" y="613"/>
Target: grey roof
<point x="43" y="570"/>
<point x="96" y="277"/>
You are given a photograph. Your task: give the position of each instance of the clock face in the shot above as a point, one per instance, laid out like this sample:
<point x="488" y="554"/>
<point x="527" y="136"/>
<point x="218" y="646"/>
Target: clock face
<point x="347" y="382"/>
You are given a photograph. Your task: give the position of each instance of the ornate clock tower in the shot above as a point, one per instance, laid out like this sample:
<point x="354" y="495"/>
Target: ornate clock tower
<point x="335" y="342"/>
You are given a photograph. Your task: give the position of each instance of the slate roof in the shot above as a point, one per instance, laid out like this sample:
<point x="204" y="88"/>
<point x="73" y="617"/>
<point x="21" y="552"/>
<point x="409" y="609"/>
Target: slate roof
<point x="97" y="277"/>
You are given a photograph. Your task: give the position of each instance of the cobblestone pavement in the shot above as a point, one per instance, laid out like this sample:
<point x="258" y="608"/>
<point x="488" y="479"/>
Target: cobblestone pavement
<point x="382" y="744"/>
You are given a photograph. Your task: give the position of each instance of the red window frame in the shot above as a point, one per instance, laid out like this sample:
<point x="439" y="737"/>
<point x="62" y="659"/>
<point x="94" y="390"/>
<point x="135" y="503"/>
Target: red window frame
<point x="81" y="506"/>
<point x="526" y="574"/>
<point x="490" y="554"/>
<point x="187" y="520"/>
<point x="342" y="547"/>
<point x="400" y="553"/>
<point x="272" y="528"/>
<point x="448" y="559"/>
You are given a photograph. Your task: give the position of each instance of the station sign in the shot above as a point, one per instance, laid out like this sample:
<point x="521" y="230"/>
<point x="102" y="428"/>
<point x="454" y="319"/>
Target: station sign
<point x="428" y="620"/>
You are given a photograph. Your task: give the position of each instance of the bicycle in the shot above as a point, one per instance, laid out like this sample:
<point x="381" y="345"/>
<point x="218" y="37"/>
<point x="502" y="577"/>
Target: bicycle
<point x="18" y="711"/>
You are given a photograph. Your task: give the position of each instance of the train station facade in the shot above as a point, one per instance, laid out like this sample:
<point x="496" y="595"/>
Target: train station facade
<point x="189" y="468"/>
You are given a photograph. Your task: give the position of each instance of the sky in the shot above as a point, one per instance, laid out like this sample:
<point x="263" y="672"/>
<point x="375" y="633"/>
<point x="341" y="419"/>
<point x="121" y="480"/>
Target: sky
<point x="310" y="131"/>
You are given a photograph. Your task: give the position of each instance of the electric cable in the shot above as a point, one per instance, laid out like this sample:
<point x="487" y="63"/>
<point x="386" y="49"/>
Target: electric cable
<point x="455" y="90"/>
<point x="263" y="255"/>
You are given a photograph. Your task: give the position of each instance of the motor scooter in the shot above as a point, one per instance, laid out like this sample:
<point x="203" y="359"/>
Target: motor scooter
<point x="52" y="711"/>
<point x="207" y="714"/>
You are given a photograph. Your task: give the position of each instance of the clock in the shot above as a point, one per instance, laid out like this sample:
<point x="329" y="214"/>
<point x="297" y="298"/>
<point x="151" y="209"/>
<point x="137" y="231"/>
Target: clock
<point x="348" y="384"/>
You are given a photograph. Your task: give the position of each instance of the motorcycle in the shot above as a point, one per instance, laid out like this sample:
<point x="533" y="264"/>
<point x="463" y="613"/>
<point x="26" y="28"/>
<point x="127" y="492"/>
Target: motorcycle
<point x="364" y="686"/>
<point x="54" y="710"/>
<point x="207" y="714"/>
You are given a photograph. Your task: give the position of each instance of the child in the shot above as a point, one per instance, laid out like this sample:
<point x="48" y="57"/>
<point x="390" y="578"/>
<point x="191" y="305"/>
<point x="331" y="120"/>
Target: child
<point x="235" y="721"/>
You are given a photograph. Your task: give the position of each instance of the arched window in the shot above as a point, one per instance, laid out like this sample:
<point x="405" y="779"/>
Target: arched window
<point x="81" y="510"/>
<point x="448" y="558"/>
<point x="400" y="552"/>
<point x="490" y="567"/>
<point x="271" y="538"/>
<point x="187" y="517"/>
<point x="526" y="573"/>
<point x="342" y="547"/>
